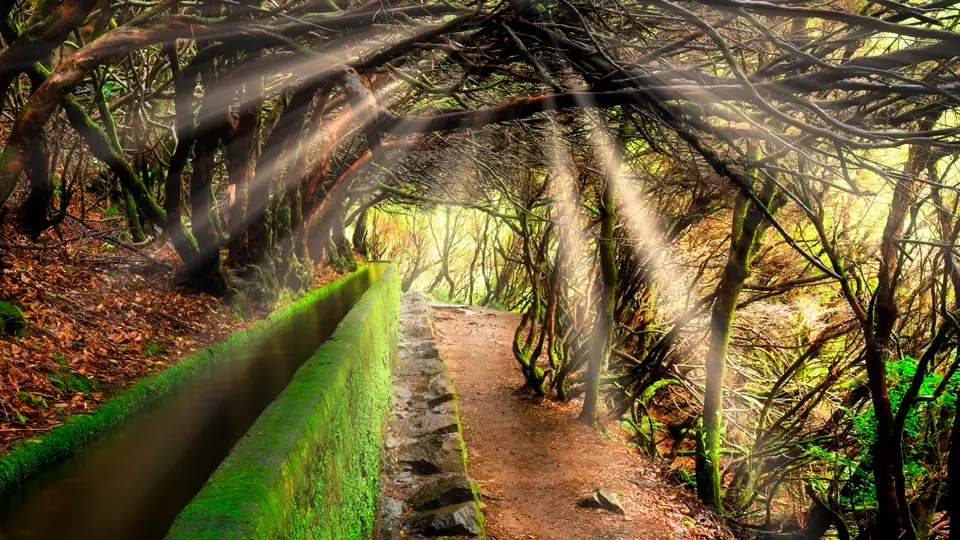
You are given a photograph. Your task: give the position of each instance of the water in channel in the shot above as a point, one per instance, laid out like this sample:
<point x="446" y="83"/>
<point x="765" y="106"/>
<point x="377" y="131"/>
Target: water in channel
<point x="132" y="480"/>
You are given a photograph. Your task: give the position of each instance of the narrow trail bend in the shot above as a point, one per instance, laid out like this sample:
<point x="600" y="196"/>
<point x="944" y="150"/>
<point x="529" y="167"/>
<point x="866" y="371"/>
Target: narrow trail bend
<point x="534" y="460"/>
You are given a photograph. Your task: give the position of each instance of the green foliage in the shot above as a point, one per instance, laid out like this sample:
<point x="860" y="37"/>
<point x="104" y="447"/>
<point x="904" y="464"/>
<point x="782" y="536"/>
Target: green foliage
<point x="112" y="209"/>
<point x="31" y="400"/>
<point x="65" y="381"/>
<point x="112" y="89"/>
<point x="496" y="305"/>
<point x="12" y="322"/>
<point x="918" y="422"/>
<point x="655" y="387"/>
<point x="153" y="349"/>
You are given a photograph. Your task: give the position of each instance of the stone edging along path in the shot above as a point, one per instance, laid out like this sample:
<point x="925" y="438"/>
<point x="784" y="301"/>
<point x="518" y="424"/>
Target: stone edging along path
<point x="425" y="488"/>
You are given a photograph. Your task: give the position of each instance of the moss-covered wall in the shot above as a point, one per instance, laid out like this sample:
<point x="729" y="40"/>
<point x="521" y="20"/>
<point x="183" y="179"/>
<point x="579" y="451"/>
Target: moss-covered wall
<point x="27" y="457"/>
<point x="310" y="466"/>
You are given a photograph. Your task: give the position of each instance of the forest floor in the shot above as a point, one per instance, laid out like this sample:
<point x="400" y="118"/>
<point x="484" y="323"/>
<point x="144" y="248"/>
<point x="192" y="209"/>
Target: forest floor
<point x="100" y="317"/>
<point x="534" y="460"/>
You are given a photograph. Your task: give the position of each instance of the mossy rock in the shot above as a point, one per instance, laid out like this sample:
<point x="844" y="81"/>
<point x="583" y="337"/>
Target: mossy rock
<point x="448" y="490"/>
<point x="12" y="322"/>
<point x="460" y="520"/>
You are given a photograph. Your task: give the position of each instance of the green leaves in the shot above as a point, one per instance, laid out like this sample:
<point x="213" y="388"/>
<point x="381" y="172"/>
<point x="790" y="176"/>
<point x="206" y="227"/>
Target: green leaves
<point x="112" y="89"/>
<point x="921" y="426"/>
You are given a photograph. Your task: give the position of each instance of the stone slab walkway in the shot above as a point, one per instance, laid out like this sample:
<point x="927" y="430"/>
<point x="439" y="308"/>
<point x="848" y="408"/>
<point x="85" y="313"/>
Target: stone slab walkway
<point x="426" y="491"/>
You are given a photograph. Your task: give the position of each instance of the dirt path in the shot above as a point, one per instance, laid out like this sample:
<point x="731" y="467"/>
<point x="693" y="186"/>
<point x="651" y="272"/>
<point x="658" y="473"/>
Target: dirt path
<point x="534" y="460"/>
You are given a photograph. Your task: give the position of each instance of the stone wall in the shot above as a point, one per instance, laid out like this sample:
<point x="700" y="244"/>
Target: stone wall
<point x="426" y="489"/>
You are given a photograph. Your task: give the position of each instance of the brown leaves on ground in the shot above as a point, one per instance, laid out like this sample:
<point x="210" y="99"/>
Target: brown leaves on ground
<point x="99" y="319"/>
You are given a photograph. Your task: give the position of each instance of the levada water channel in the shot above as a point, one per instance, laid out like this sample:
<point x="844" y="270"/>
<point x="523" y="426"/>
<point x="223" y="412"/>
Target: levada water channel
<point x="133" y="479"/>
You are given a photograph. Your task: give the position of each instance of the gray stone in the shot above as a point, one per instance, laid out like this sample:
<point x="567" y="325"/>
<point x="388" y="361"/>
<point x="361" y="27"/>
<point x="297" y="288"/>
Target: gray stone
<point x="420" y="367"/>
<point x="402" y="392"/>
<point x="424" y="348"/>
<point x="441" y="381"/>
<point x="433" y="455"/>
<point x="390" y="511"/>
<point x="429" y="424"/>
<point x="440" y="398"/>
<point x="444" y="491"/>
<point x="442" y="389"/>
<point x="394" y="442"/>
<point x="460" y="520"/>
<point x="424" y="461"/>
<point x="602" y="499"/>
<point x="418" y="406"/>
<point x="416" y="330"/>
<point x="443" y="305"/>
<point x="448" y="407"/>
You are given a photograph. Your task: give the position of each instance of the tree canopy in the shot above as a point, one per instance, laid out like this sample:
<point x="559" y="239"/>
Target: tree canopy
<point x="733" y="223"/>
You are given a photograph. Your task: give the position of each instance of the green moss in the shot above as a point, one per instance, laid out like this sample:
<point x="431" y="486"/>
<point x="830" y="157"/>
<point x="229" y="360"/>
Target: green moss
<point x="65" y="381"/>
<point x="310" y="466"/>
<point x="12" y="322"/>
<point x="28" y="457"/>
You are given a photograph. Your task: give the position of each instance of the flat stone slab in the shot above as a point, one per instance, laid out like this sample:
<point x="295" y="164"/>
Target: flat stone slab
<point x="420" y="367"/>
<point x="422" y="348"/>
<point x="429" y="424"/>
<point x="448" y="490"/>
<point x="433" y="455"/>
<point x="390" y="511"/>
<point x="441" y="385"/>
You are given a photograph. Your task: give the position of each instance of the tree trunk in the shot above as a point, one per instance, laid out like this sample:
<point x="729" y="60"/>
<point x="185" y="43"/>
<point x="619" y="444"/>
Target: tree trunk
<point x="207" y="272"/>
<point x="360" y="235"/>
<point x="32" y="214"/>
<point x="747" y="231"/>
<point x="239" y="156"/>
<point x="603" y="327"/>
<point x="878" y="335"/>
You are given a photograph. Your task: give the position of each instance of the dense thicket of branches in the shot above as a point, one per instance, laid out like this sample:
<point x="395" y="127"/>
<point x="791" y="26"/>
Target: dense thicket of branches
<point x="733" y="221"/>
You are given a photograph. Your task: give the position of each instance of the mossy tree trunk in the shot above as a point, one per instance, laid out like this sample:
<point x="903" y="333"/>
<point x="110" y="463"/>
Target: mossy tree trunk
<point x="600" y="341"/>
<point x="748" y="227"/>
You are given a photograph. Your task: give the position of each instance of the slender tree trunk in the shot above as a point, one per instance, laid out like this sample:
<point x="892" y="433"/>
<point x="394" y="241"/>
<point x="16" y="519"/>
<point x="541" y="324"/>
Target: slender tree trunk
<point x="173" y="186"/>
<point x="207" y="271"/>
<point x="32" y="214"/>
<point x="239" y="156"/>
<point x="747" y="231"/>
<point x="360" y="235"/>
<point x="709" y="440"/>
<point x="603" y="327"/>
<point x="878" y="336"/>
